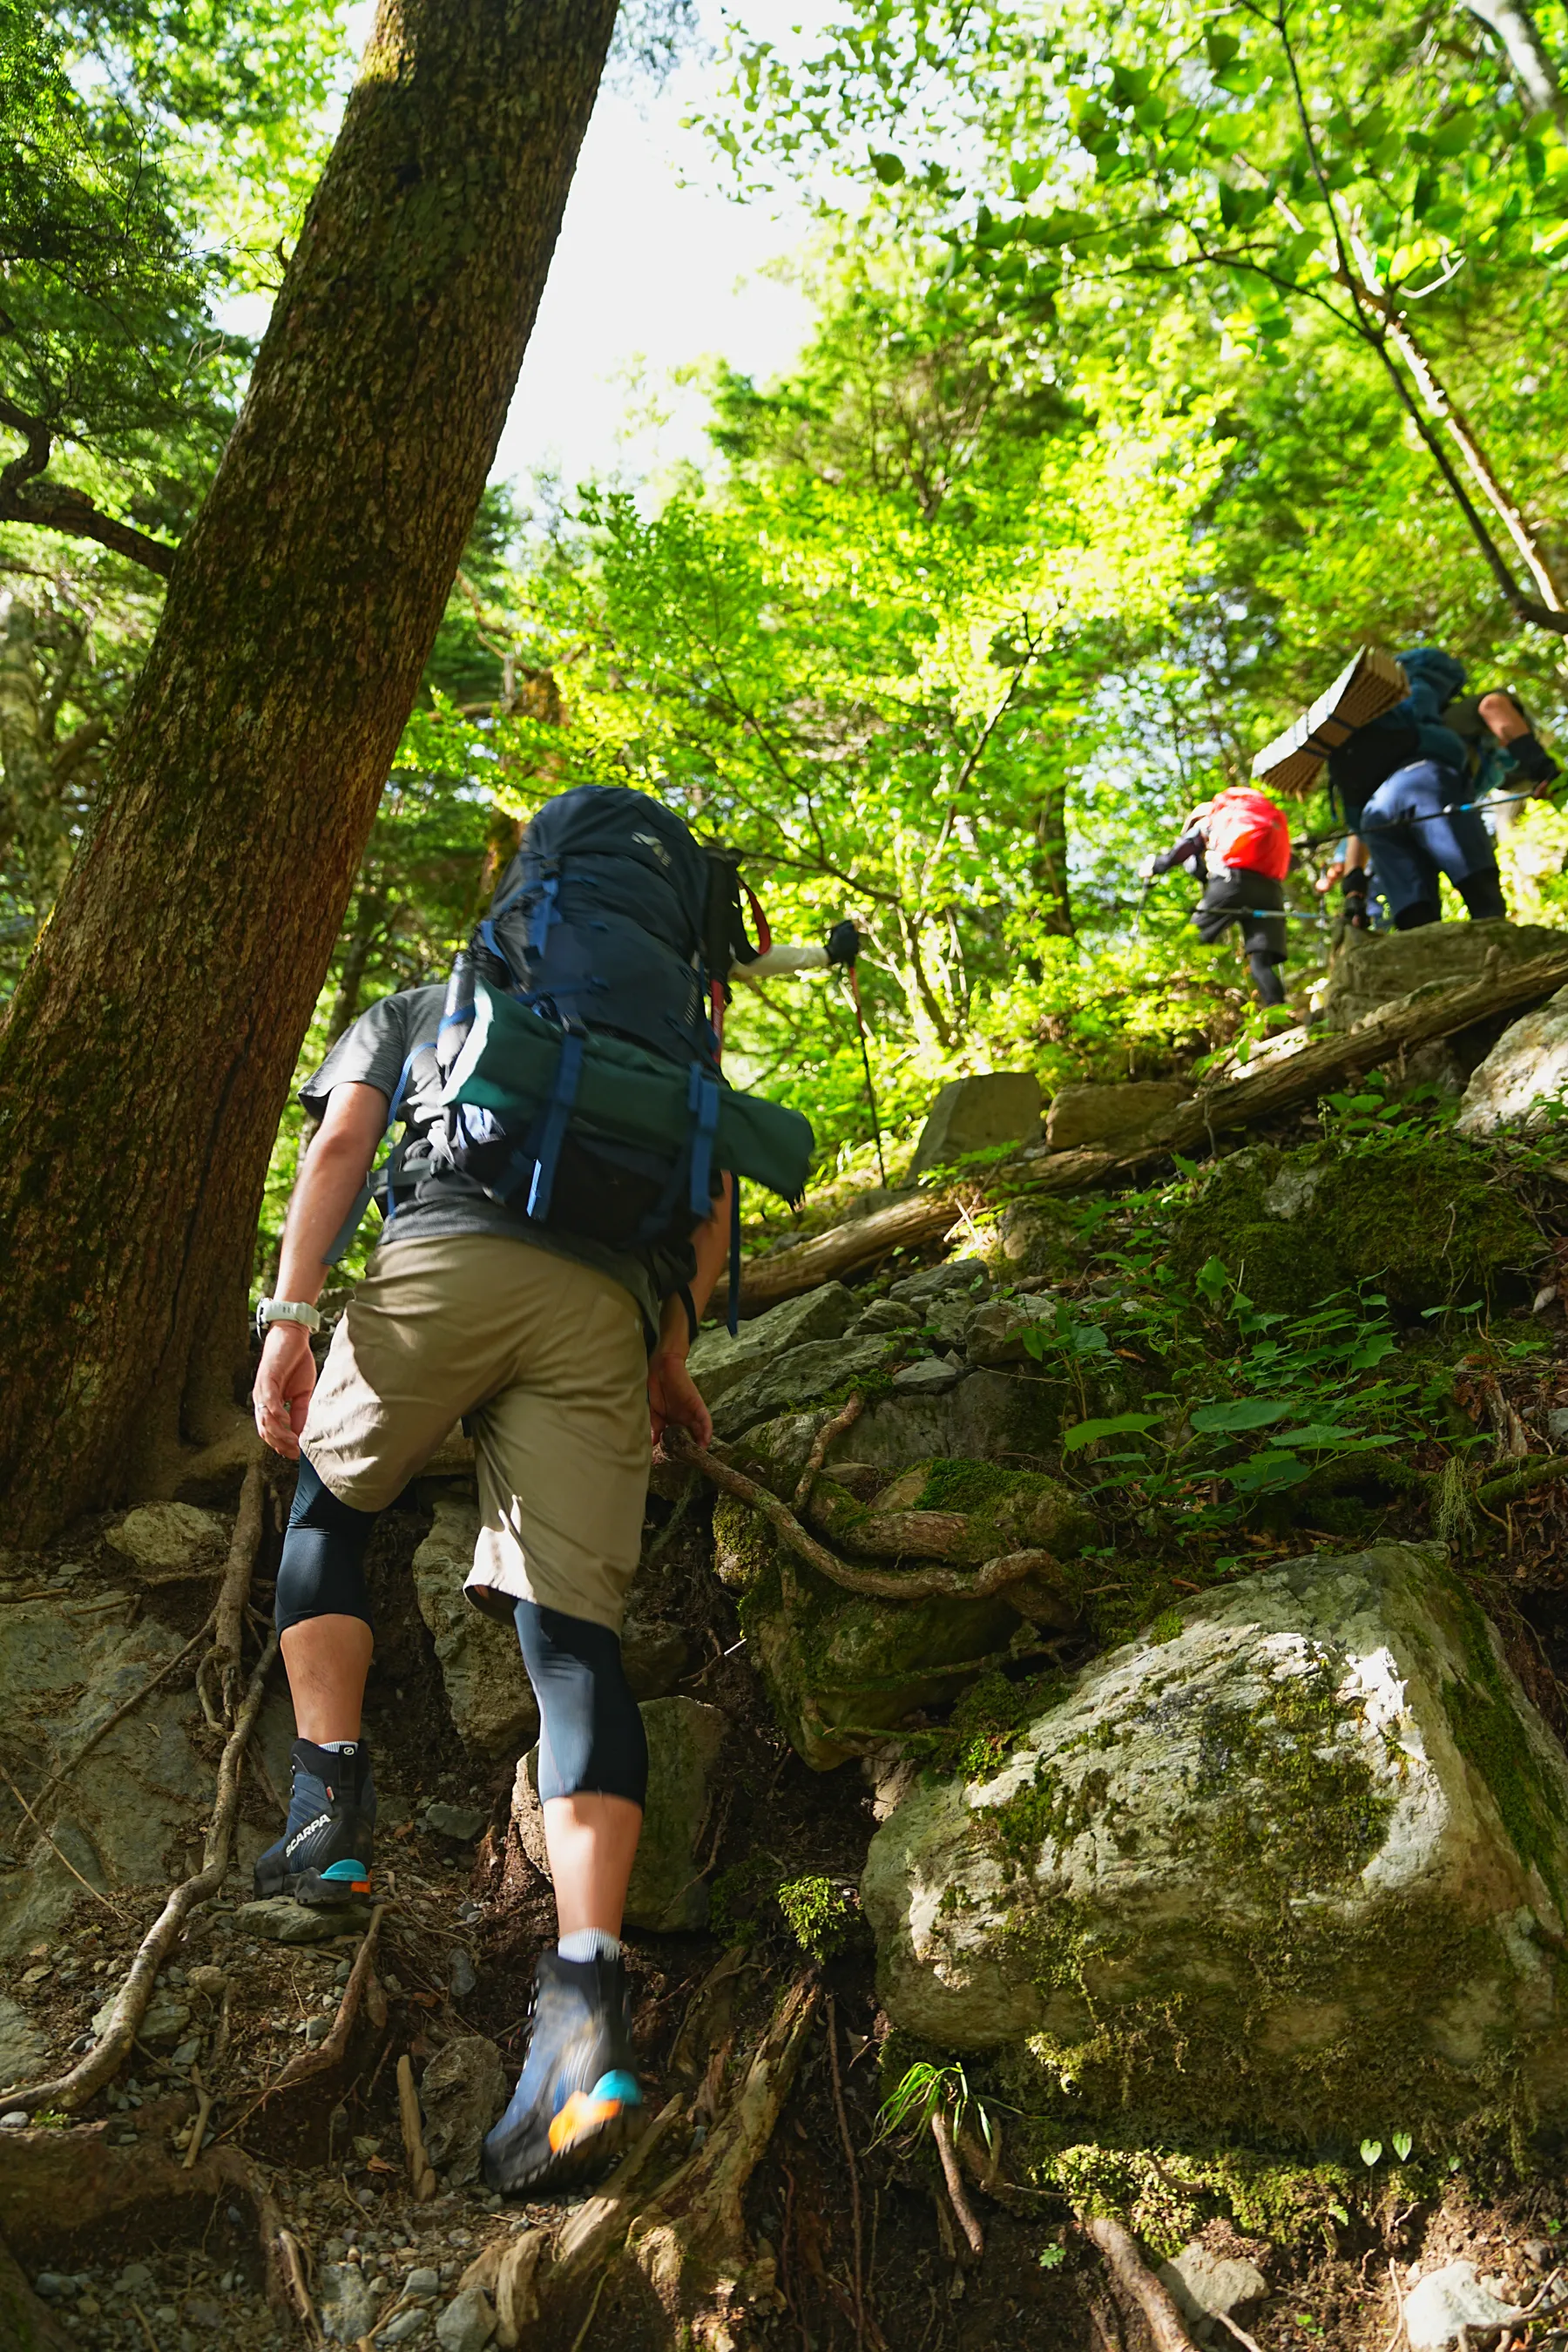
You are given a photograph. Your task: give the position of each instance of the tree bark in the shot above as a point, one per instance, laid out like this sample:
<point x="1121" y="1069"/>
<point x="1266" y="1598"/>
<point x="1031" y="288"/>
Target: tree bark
<point x="1516" y="29"/>
<point x="1270" y="1086"/>
<point x="151" y="1043"/>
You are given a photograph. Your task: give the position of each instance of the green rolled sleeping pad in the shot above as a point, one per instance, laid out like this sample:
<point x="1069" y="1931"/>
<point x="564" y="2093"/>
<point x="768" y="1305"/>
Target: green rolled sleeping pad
<point x="508" y="1067"/>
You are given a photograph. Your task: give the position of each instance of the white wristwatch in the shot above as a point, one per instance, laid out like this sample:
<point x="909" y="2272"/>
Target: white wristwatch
<point x="286" y="1310"/>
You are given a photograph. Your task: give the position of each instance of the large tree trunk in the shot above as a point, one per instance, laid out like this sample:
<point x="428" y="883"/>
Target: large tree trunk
<point x="151" y="1041"/>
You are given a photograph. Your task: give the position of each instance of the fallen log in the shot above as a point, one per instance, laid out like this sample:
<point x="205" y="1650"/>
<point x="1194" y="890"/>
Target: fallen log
<point x="1274" y="1085"/>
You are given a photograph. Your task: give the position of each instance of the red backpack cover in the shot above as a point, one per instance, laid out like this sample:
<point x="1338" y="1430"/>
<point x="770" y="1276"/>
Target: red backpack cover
<point x="1246" y="828"/>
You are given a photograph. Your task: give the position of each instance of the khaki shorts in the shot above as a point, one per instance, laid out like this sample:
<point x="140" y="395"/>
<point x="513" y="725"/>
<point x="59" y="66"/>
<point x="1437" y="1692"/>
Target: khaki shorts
<point x="545" y="1357"/>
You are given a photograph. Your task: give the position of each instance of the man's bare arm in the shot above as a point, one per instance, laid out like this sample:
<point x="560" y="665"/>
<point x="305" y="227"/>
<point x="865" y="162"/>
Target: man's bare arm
<point x="328" y="1183"/>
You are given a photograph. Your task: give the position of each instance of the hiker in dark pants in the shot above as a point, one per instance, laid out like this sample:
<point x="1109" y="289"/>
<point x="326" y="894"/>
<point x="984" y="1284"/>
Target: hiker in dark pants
<point x="561" y="1340"/>
<point x="1395" y="778"/>
<point x="1239" y="846"/>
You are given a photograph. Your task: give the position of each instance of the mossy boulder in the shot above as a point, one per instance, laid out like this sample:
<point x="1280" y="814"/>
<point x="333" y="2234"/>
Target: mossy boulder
<point x="842" y="1667"/>
<point x="1425" y="1220"/>
<point x="1294" y="1873"/>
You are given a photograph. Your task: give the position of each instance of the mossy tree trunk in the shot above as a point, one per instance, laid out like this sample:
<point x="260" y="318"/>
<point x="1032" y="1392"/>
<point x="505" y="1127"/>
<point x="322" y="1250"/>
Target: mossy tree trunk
<point x="151" y="1043"/>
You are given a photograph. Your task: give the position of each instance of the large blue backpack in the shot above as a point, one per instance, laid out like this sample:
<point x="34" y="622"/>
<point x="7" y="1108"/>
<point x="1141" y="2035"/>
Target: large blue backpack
<point x="580" y="1070"/>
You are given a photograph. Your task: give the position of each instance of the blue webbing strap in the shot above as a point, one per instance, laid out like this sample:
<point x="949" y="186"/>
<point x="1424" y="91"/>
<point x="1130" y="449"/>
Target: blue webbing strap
<point x="732" y="1317"/>
<point x="389" y="1166"/>
<point x="702" y="1102"/>
<point x="568" y="1071"/>
<point x="545" y="913"/>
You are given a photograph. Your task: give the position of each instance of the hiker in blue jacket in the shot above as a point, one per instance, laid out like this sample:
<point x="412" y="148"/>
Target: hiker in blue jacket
<point x="1396" y="784"/>
<point x="547" y="1295"/>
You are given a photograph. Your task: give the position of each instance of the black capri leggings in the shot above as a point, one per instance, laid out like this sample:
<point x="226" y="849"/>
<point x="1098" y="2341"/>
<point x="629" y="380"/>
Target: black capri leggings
<point x="591" y="1739"/>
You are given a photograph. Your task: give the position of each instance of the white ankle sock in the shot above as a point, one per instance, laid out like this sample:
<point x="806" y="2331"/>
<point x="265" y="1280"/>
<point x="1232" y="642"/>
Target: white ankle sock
<point x="589" y="1943"/>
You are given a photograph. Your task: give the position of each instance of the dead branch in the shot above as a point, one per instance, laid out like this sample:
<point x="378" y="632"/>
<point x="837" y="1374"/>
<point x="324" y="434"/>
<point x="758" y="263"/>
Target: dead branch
<point x="72" y="2090"/>
<point x="964" y="2211"/>
<point x="64" y="1771"/>
<point x="217" y="1678"/>
<point x="97" y="1892"/>
<point x="1267" y="1087"/>
<point x="1539" y="1473"/>
<point x="199" y="2128"/>
<point x="421" y="2177"/>
<point x="295" y="2283"/>
<point x="844" y="1418"/>
<point x="854" y="2171"/>
<point x="912" y="1584"/>
<point x="1129" y="2272"/>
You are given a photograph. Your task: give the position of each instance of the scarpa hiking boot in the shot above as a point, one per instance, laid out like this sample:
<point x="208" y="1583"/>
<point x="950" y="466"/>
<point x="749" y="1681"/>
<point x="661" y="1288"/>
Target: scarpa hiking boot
<point x="577" y="2096"/>
<point x="324" y="1855"/>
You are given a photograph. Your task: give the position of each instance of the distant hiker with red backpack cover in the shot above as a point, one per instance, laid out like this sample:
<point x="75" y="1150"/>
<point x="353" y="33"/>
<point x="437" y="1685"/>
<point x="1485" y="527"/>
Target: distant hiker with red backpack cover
<point x="1239" y="846"/>
<point x="557" y="1212"/>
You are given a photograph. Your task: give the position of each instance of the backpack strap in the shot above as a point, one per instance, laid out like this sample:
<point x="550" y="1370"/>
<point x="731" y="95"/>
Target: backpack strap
<point x="568" y="1071"/>
<point x="733" y="1305"/>
<point x="702" y="1102"/>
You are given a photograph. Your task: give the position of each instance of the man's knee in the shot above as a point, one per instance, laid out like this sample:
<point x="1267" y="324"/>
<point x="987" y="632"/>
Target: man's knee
<point x="591" y="1737"/>
<point x="322" y="1572"/>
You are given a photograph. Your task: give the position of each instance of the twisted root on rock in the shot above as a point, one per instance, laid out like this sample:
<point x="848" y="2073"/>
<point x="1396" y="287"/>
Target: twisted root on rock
<point x="883" y="1584"/>
<point x="1131" y="2275"/>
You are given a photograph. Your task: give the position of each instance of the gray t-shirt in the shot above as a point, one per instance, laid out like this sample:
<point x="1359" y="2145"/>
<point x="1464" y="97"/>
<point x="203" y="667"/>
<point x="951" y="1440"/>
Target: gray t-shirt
<point x="399" y="1034"/>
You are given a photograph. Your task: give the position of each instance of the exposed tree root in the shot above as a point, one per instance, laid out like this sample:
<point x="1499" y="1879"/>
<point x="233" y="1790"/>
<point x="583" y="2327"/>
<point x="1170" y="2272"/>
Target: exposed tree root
<point x="1539" y="1473"/>
<point x="691" y="2246"/>
<point x="54" y="2180"/>
<point x="854" y="2170"/>
<point x="219" y="1676"/>
<point x="911" y="1584"/>
<point x="845" y="1418"/>
<point x="307" y="2063"/>
<point x="1131" y="2273"/>
<point x="964" y="2211"/>
<point x="74" y="2089"/>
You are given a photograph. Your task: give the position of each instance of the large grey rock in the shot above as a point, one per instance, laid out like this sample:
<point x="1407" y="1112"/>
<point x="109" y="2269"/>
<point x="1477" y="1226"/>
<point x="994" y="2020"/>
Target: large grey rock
<point x="488" y="1691"/>
<point x="968" y="1276"/>
<point x="1035" y="1238"/>
<point x="1319" y="1832"/>
<point x="928" y="1376"/>
<point x="976" y="1113"/>
<point x="1371" y="968"/>
<point x="166" y="2019"/>
<point x="989" y="1416"/>
<point x="1438" y="2306"/>
<point x="23" y="2049"/>
<point x="127" y="1813"/>
<point x="667" y="1893"/>
<point x="801" y="1377"/>
<point x="1118" y="1115"/>
<point x="655" y="1653"/>
<point x="1526" y="1069"/>
<point x="718" y="1363"/>
<point x="462" y="2092"/>
<point x="995" y="1333"/>
<point x="170" y="1541"/>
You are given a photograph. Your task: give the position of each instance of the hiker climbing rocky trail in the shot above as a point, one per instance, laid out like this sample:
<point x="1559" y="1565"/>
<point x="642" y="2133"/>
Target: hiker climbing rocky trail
<point x="1101" y="1692"/>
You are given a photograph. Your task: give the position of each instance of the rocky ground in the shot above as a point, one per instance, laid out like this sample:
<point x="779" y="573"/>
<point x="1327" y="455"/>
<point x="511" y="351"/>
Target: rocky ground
<point x="1200" y="1875"/>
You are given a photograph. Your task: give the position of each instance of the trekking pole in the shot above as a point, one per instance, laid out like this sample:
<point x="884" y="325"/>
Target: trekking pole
<point x="844" y="948"/>
<point x="1428" y="816"/>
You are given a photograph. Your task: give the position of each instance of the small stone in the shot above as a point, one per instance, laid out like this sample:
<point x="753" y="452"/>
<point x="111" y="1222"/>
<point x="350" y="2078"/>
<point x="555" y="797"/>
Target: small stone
<point x="926" y="1376"/>
<point x="55" y="2286"/>
<point x="424" y="2281"/>
<point x="467" y="2323"/>
<point x="398" y="2330"/>
<point x="134" y="2279"/>
<point x="1447" y="2300"/>
<point x="463" y="1822"/>
<point x="316" y="2030"/>
<point x="1557" y="1424"/>
<point x="969" y="1274"/>
<point x="166" y="2315"/>
<point x="15" y="2121"/>
<point x="464" y="1976"/>
<point x="210" y="1982"/>
<point x="199" y="2312"/>
<point x="281" y="1921"/>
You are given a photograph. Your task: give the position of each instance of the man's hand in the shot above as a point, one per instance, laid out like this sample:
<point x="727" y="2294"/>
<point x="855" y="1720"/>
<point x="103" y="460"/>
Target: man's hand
<point x="284" y="1382"/>
<point x="673" y="1398"/>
